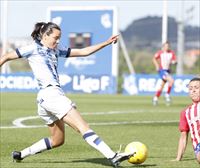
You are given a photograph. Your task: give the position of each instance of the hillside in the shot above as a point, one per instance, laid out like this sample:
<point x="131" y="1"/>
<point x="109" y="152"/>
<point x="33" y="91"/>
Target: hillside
<point x="147" y="32"/>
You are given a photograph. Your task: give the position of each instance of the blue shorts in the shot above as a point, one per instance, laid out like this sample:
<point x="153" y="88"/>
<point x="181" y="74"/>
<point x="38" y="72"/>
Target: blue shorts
<point x="163" y="74"/>
<point x="197" y="149"/>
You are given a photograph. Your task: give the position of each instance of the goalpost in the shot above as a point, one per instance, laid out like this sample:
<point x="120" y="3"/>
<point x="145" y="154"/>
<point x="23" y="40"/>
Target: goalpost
<point x="126" y="55"/>
<point x="4" y="23"/>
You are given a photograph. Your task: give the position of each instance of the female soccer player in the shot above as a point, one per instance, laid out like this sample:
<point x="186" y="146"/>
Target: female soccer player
<point x="53" y="106"/>
<point x="162" y="61"/>
<point x="190" y="122"/>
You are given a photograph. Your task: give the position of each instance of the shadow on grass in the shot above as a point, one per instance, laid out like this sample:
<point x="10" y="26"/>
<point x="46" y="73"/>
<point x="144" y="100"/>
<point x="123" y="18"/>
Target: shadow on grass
<point x="98" y="161"/>
<point x="170" y="158"/>
<point x="187" y="159"/>
<point x="103" y="161"/>
<point x="46" y="161"/>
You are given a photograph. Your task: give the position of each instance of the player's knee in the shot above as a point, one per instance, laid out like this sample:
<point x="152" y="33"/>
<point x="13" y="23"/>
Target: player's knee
<point x="171" y="82"/>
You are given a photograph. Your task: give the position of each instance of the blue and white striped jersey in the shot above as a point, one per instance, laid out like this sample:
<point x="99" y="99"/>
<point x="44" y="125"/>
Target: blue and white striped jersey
<point x="43" y="61"/>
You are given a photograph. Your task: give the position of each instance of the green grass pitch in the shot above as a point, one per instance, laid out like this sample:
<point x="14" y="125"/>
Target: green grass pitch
<point x="117" y="119"/>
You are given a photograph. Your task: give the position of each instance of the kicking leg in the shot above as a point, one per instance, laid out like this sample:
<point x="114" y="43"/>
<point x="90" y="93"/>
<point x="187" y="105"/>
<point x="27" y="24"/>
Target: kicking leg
<point x="74" y="119"/>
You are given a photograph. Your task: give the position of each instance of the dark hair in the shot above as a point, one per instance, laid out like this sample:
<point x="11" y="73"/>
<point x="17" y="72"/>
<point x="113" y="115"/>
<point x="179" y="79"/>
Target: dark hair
<point x="41" y="28"/>
<point x="166" y="42"/>
<point x="195" y="79"/>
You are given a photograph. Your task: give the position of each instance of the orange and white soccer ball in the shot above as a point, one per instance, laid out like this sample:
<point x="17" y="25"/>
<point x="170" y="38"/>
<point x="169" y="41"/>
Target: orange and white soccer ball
<point x="140" y="152"/>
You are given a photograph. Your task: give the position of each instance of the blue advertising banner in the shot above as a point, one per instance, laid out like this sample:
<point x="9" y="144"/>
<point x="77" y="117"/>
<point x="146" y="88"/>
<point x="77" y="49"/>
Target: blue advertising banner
<point x="18" y="82"/>
<point x="140" y="84"/>
<point x="82" y="27"/>
<point x="25" y="82"/>
<point x="103" y="84"/>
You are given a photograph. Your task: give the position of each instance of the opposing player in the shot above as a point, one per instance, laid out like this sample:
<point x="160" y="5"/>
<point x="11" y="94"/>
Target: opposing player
<point x="190" y="122"/>
<point x="53" y="106"/>
<point x="162" y="61"/>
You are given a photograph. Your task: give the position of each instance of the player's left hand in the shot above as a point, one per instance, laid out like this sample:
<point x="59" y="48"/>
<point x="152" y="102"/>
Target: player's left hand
<point x="113" y="39"/>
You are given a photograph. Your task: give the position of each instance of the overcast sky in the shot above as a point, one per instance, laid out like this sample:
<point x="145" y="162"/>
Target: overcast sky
<point x="22" y="15"/>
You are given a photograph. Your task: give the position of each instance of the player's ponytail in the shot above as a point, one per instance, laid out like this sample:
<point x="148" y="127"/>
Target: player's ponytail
<point x="41" y="28"/>
<point x="36" y="35"/>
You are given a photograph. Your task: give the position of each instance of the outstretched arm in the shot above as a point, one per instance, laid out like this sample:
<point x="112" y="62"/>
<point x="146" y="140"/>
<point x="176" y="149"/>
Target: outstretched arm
<point x="7" y="57"/>
<point x="182" y="145"/>
<point x="94" y="48"/>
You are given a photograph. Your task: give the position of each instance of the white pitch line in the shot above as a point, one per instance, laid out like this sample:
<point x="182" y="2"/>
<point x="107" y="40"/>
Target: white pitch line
<point x="134" y="122"/>
<point x="28" y="126"/>
<point x="99" y="124"/>
<point x="18" y="123"/>
<point x="128" y="112"/>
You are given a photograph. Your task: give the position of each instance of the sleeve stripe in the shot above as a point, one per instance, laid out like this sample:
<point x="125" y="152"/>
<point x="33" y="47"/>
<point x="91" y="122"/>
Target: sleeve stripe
<point x="68" y="52"/>
<point x="18" y="53"/>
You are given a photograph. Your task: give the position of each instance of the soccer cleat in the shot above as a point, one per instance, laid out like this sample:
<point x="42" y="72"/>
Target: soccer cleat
<point x="167" y="99"/>
<point x="155" y="101"/>
<point x="120" y="157"/>
<point x="16" y="156"/>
